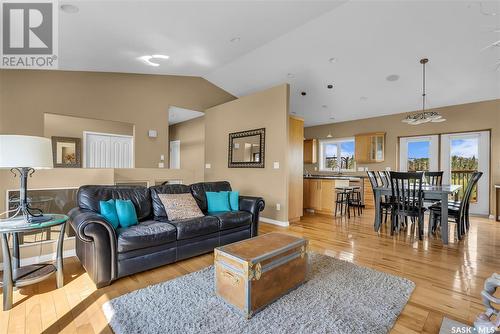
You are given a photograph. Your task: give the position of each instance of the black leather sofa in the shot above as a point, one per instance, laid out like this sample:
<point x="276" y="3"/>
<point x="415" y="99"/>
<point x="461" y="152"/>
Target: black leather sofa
<point x="108" y="254"/>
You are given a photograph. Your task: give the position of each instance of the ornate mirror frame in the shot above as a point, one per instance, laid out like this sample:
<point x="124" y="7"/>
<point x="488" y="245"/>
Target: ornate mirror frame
<point x="78" y="153"/>
<point x="243" y="164"/>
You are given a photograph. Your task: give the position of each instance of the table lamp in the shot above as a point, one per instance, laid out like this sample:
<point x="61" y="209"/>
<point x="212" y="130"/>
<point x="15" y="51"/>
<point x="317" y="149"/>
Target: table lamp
<point x="23" y="155"/>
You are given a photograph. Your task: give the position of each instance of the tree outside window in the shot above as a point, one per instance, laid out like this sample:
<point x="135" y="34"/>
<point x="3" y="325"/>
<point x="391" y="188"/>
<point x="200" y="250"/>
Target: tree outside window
<point x="337" y="153"/>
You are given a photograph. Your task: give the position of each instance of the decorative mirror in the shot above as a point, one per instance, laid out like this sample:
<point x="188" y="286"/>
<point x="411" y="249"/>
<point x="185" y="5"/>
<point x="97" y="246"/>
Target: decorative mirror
<point x="66" y="152"/>
<point x="247" y="149"/>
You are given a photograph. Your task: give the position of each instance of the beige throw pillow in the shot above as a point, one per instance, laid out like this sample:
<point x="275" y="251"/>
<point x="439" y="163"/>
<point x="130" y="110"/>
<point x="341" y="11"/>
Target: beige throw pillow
<point x="180" y="206"/>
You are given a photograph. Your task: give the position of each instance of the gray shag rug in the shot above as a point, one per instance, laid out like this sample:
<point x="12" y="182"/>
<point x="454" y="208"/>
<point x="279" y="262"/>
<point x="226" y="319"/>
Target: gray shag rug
<point x="339" y="297"/>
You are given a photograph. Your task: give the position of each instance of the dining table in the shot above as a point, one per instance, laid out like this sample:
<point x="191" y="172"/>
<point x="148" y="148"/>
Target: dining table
<point x="430" y="192"/>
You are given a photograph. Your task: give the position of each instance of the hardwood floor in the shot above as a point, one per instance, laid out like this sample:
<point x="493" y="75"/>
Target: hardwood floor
<point x="448" y="279"/>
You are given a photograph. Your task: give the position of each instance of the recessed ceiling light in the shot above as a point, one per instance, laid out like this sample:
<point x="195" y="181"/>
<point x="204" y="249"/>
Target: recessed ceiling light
<point x="290" y="75"/>
<point x="392" y="77"/>
<point x="329" y="86"/>
<point x="332" y="60"/>
<point x="235" y="39"/>
<point x="363" y="98"/>
<point x="71" y="9"/>
<point x="303" y="93"/>
<point x="148" y="59"/>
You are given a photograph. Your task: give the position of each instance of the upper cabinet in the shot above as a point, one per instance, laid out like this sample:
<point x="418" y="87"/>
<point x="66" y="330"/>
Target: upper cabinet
<point x="310" y="149"/>
<point x="370" y="147"/>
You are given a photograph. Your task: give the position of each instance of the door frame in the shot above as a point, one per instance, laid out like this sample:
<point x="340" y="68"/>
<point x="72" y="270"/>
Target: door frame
<point x="170" y="155"/>
<point x="484" y="184"/>
<point x="84" y="144"/>
<point x="436" y="149"/>
<point x="451" y="133"/>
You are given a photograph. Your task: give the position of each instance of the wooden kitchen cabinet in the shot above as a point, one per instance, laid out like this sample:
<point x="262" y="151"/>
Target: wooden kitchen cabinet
<point x="315" y="194"/>
<point x="306" y="198"/>
<point x="327" y="192"/>
<point x="370" y="147"/>
<point x="320" y="194"/>
<point x="310" y="151"/>
<point x="369" y="201"/>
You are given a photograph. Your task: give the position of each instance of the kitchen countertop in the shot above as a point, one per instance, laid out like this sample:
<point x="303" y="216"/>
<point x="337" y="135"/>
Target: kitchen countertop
<point x="335" y="177"/>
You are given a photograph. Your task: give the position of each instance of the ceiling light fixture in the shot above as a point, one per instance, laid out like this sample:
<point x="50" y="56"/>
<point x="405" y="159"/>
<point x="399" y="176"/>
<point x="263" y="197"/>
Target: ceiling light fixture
<point x="329" y="86"/>
<point x="148" y="59"/>
<point x="392" y="77"/>
<point x="70" y="9"/>
<point x="423" y="116"/>
<point x="332" y="60"/>
<point x="235" y="39"/>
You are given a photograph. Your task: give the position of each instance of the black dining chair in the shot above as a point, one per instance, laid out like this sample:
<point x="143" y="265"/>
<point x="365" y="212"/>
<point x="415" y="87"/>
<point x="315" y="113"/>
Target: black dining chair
<point x="385" y="206"/>
<point x="407" y="199"/>
<point x="434" y="178"/>
<point x="458" y="211"/>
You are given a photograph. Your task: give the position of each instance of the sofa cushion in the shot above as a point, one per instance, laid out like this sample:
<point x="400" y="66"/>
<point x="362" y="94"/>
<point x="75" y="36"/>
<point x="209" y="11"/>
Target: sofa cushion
<point x="232" y="219"/>
<point x="88" y="197"/>
<point x="158" y="208"/>
<point x="180" y="206"/>
<point x="148" y="233"/>
<point x="194" y="227"/>
<point x="198" y="190"/>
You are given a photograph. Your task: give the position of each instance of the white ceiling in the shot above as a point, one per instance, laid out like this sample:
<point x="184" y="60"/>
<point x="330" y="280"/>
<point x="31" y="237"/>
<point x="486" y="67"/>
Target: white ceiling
<point x="178" y="115"/>
<point x="370" y="40"/>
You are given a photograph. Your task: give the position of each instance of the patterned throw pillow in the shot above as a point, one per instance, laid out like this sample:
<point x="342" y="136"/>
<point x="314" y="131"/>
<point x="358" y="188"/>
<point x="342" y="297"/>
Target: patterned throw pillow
<point x="180" y="206"/>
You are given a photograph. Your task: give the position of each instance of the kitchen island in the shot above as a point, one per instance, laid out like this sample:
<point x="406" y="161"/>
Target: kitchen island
<point x="320" y="193"/>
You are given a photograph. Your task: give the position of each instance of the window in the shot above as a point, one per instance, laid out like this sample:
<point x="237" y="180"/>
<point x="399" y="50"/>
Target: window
<point x="335" y="153"/>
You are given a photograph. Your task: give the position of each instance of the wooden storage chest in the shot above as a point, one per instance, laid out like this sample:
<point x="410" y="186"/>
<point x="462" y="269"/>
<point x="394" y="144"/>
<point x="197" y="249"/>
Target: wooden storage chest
<point x="252" y="273"/>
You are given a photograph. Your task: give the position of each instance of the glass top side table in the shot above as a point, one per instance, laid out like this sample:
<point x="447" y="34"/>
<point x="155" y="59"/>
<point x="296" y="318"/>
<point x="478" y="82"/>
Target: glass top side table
<point x="16" y="276"/>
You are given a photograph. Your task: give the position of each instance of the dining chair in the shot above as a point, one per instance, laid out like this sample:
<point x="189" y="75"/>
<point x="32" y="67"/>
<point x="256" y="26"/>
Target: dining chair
<point x="407" y="199"/>
<point x="434" y="178"/>
<point x="458" y="211"/>
<point x="385" y="206"/>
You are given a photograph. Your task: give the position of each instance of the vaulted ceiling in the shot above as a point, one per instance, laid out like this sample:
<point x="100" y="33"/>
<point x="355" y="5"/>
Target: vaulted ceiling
<point x="247" y="46"/>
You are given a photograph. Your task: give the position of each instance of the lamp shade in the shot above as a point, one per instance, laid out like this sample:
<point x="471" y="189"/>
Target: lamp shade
<point x="25" y="151"/>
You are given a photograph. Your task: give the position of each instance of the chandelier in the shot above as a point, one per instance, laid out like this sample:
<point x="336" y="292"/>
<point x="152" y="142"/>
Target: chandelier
<point x="423" y="116"/>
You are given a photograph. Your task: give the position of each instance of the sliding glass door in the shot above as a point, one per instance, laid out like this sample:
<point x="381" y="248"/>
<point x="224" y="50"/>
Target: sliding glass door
<point x="419" y="154"/>
<point x="461" y="155"/>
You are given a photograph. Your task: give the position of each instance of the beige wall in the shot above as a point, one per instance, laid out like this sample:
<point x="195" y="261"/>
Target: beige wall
<point x="142" y="100"/>
<point x="192" y="137"/>
<point x="267" y="109"/>
<point x="460" y="118"/>
<point x="69" y="126"/>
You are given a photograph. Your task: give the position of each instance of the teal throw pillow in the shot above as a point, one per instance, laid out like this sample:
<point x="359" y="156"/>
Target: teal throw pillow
<point x="234" y="200"/>
<point x="126" y="213"/>
<point x="108" y="211"/>
<point x="218" y="201"/>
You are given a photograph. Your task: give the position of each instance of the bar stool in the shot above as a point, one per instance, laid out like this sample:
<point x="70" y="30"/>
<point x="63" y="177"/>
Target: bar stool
<point x="355" y="200"/>
<point x="343" y="199"/>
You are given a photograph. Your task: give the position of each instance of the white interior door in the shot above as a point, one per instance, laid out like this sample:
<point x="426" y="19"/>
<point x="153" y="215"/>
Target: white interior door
<point x="462" y="154"/>
<point x="175" y="154"/>
<point x="419" y="153"/>
<point x="103" y="150"/>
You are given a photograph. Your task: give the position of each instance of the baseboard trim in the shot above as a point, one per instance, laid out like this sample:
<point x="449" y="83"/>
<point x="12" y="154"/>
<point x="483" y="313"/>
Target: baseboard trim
<point x="274" y="222"/>
<point x="44" y="258"/>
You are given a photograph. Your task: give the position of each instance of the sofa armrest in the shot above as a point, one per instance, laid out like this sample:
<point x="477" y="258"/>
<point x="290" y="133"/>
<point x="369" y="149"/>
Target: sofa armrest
<point x="96" y="245"/>
<point x="254" y="205"/>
